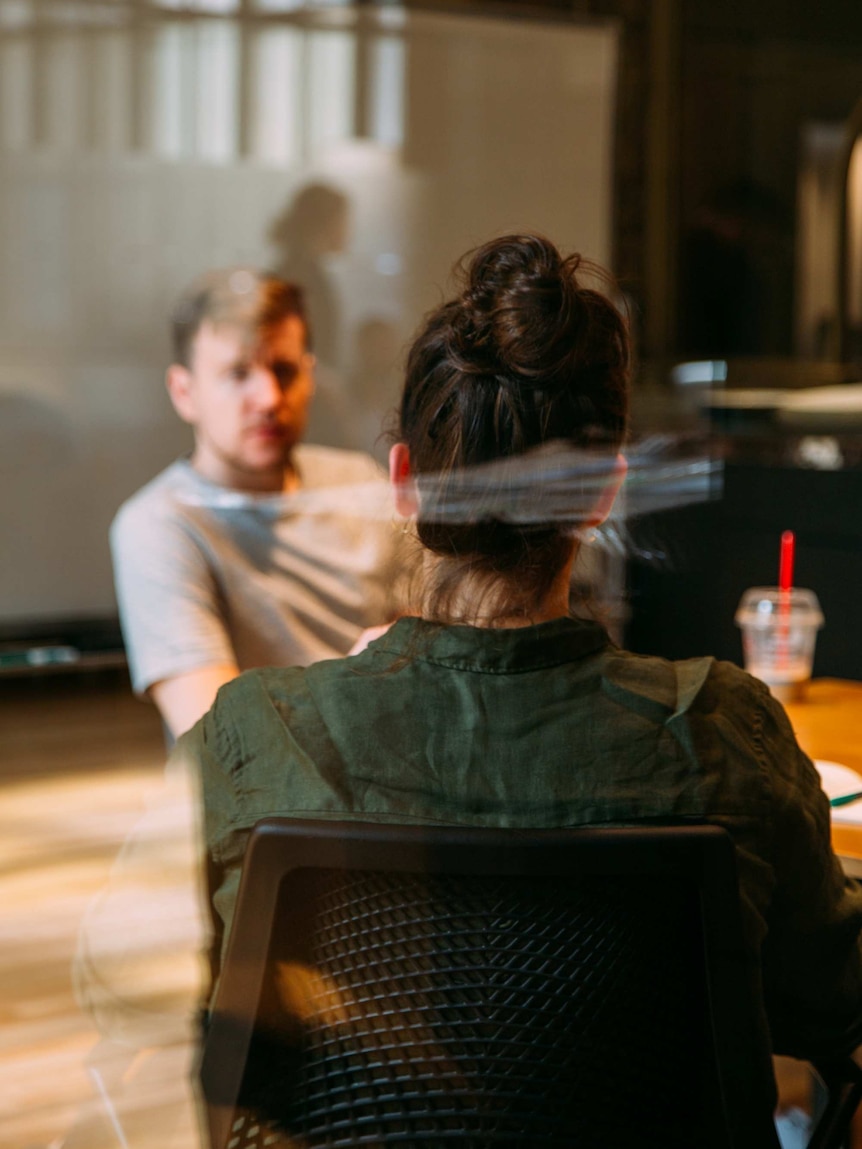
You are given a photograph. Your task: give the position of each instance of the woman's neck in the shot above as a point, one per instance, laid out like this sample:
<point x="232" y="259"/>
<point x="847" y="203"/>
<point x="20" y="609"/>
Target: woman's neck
<point x="476" y="600"/>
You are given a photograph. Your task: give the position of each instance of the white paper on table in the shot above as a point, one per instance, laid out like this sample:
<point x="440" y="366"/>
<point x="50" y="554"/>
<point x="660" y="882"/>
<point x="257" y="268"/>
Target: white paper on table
<point x="838" y="781"/>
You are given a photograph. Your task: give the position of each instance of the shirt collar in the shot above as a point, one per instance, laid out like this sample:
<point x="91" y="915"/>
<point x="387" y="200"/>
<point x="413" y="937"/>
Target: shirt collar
<point x="491" y="650"/>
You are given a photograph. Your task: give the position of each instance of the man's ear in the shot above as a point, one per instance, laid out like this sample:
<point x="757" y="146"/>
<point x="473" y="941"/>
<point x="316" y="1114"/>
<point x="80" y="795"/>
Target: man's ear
<point x="178" y="380"/>
<point x="605" y="501"/>
<point x="401" y="478"/>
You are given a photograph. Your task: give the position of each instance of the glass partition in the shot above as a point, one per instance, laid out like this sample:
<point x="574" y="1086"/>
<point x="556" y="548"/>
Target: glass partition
<point x="359" y="150"/>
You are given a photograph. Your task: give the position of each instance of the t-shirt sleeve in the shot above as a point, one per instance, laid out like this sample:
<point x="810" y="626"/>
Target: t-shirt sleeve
<point x="812" y="953"/>
<point x="171" y="609"/>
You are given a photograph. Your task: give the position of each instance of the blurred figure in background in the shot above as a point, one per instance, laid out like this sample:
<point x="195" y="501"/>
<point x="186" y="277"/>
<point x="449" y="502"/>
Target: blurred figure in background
<point x="314" y="224"/>
<point x="312" y="228"/>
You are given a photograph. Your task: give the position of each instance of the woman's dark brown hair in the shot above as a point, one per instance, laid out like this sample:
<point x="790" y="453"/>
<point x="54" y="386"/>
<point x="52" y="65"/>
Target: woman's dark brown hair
<point x="527" y="354"/>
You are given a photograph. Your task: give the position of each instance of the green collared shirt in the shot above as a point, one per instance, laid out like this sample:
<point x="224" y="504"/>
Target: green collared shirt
<point x="545" y="726"/>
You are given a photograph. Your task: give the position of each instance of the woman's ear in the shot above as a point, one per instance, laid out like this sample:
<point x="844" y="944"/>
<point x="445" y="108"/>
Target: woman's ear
<point x="401" y="478"/>
<point x="606" y="498"/>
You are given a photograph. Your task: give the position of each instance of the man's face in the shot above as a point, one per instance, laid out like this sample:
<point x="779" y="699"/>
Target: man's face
<point x="247" y="397"/>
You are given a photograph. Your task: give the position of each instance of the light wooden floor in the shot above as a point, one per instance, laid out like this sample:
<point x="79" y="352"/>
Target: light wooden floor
<point x="82" y="768"/>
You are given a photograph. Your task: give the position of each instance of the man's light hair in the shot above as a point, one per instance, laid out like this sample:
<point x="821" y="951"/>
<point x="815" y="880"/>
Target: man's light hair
<point x="241" y="297"/>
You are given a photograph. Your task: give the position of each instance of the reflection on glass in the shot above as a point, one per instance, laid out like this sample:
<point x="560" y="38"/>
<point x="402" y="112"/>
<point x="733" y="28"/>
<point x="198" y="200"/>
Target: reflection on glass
<point x="217" y="95"/>
<point x="173" y="122"/>
<point x="279" y="5"/>
<point x="64" y="96"/>
<point x="15" y="107"/>
<point x="135" y="156"/>
<point x="387" y="98"/>
<point x="854" y="237"/>
<point x="211" y="7"/>
<point x="196" y="91"/>
<point x="330" y="79"/>
<point x="15" y="13"/>
<point x="818" y="197"/>
<point x="111" y="62"/>
<point x="315" y="225"/>
<point x="278" y="109"/>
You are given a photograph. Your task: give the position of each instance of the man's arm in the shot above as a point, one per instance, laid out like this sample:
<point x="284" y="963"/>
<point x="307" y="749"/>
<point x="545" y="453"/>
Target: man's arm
<point x="171" y="609"/>
<point x="369" y="635"/>
<point x="184" y="699"/>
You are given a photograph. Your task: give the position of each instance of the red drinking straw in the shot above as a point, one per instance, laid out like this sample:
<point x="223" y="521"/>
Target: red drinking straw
<point x="785" y="585"/>
<point x="785" y="565"/>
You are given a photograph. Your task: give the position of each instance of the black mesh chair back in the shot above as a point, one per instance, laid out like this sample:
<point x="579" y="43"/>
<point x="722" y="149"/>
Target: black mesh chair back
<point x="397" y="986"/>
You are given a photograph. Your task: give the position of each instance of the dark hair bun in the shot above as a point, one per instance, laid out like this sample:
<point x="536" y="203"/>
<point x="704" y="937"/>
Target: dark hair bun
<point x="525" y="354"/>
<point x="516" y="309"/>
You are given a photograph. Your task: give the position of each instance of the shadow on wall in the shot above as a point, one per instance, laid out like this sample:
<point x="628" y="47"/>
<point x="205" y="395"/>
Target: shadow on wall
<point x="314" y="224"/>
<point x="35" y="434"/>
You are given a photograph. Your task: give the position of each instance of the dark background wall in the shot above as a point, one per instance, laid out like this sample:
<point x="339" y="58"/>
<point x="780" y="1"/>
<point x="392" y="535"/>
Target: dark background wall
<point x="712" y="100"/>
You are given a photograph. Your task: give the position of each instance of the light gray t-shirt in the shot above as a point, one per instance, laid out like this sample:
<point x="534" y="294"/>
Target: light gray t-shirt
<point x="208" y="575"/>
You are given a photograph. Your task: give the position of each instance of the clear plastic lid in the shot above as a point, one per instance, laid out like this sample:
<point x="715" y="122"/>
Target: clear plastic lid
<point x="761" y="605"/>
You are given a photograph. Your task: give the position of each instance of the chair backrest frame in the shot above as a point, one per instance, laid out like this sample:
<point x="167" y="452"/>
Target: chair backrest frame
<point x="703" y="854"/>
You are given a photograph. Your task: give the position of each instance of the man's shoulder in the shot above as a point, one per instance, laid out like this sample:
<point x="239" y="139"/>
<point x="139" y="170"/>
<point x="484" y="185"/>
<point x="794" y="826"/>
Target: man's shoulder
<point x="334" y="466"/>
<point x="157" y="500"/>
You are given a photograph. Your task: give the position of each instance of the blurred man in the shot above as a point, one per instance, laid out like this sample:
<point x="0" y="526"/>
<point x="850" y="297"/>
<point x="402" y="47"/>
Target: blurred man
<point x="256" y="550"/>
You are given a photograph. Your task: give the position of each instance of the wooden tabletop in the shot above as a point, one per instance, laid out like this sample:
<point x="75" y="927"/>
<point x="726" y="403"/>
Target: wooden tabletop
<point x="828" y="724"/>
